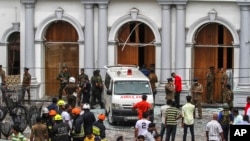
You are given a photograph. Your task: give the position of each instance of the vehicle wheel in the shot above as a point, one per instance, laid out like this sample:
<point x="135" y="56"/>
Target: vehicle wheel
<point x="110" y="118"/>
<point x="19" y="117"/>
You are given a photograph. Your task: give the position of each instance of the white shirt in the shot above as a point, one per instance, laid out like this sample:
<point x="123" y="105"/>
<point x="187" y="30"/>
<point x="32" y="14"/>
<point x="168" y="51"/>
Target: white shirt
<point x="142" y="125"/>
<point x="238" y="119"/>
<point x="214" y="129"/>
<point x="149" y="136"/>
<point x="66" y="117"/>
<point x="163" y="111"/>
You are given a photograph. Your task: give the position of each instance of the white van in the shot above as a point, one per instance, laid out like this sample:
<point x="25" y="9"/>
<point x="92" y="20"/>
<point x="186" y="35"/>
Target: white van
<point x="124" y="86"/>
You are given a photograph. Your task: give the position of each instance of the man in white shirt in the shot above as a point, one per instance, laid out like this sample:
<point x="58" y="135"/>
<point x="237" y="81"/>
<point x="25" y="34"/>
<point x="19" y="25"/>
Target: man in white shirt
<point x="163" y="116"/>
<point x="150" y="133"/>
<point x="142" y="125"/>
<point x="214" y="131"/>
<point x="237" y="117"/>
<point x="66" y="116"/>
<point x="188" y="118"/>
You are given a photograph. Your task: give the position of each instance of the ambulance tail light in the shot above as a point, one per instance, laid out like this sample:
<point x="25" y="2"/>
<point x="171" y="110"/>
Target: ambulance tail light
<point x="129" y="72"/>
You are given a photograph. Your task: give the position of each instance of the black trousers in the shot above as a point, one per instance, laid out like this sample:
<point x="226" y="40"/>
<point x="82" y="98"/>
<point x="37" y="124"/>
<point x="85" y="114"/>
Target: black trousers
<point x="177" y="99"/>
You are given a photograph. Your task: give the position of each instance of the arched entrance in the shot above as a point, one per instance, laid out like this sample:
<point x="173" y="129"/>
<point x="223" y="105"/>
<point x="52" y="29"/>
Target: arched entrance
<point x="213" y="47"/>
<point x="61" y="49"/>
<point x="136" y="44"/>
<point x="14" y="54"/>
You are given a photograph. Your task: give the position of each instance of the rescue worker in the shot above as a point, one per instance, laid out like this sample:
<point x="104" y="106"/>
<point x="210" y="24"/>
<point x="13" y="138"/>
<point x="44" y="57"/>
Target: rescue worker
<point x="45" y="115"/>
<point x="71" y="91"/>
<point x="97" y="87"/>
<point x="224" y="80"/>
<point x="169" y="89"/>
<point x="210" y="84"/>
<point x="39" y="131"/>
<point x="153" y="79"/>
<point x="99" y="128"/>
<point x="61" y="129"/>
<point x="63" y="77"/>
<point x="26" y="84"/>
<point x="51" y="123"/>
<point x="197" y="90"/>
<point x="142" y="106"/>
<point x="17" y="135"/>
<point x="228" y="96"/>
<point x="60" y="104"/>
<point x="88" y="117"/>
<point x="77" y="132"/>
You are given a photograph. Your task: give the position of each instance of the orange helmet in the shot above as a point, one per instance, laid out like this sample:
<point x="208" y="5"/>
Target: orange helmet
<point x="52" y="112"/>
<point x="76" y="111"/>
<point x="101" y="117"/>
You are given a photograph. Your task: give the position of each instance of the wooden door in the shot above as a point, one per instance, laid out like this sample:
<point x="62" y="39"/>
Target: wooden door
<point x="132" y="48"/>
<point x="61" y="49"/>
<point x="213" y="48"/>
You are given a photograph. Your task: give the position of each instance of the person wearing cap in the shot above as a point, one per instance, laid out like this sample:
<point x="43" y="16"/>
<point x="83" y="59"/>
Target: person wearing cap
<point x="82" y="77"/>
<point x="197" y="90"/>
<point x="26" y="84"/>
<point x="142" y="106"/>
<point x="51" y="123"/>
<point x="77" y="132"/>
<point x="60" y="103"/>
<point x="45" y="115"/>
<point x="228" y="96"/>
<point x="60" y="130"/>
<point x="178" y="88"/>
<point x="97" y="88"/>
<point x="39" y="131"/>
<point x="71" y="90"/>
<point x="63" y="77"/>
<point x="99" y="127"/>
<point x="224" y="82"/>
<point x="225" y="117"/>
<point x="210" y="84"/>
<point x="169" y="89"/>
<point x="88" y="117"/>
<point x="2" y="76"/>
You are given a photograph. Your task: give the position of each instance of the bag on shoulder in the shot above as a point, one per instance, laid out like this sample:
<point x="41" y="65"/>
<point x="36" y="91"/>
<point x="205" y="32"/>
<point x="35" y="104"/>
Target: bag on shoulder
<point x="225" y="117"/>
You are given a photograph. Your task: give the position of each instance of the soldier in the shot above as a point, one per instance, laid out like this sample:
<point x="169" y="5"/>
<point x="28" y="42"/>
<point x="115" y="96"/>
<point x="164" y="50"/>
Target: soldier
<point x="63" y="77"/>
<point x="228" y="96"/>
<point x="197" y="90"/>
<point x="224" y="79"/>
<point x="82" y="77"/>
<point x="39" y="131"/>
<point x="71" y="91"/>
<point x="153" y="79"/>
<point x="2" y="76"/>
<point x="97" y="88"/>
<point x="170" y="89"/>
<point x="210" y="85"/>
<point x="85" y="91"/>
<point x="26" y="84"/>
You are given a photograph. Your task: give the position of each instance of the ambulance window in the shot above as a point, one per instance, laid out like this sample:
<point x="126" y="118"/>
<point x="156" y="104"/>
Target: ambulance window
<point x="107" y="81"/>
<point x="131" y="87"/>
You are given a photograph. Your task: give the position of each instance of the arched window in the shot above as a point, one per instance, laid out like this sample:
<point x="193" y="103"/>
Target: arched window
<point x="14" y="54"/>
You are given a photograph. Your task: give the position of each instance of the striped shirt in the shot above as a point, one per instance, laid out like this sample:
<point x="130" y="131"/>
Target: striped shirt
<point x="171" y="114"/>
<point x="214" y="129"/>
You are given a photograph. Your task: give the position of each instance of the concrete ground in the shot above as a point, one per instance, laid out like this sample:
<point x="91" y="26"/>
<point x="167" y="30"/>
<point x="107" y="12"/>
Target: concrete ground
<point x="127" y="130"/>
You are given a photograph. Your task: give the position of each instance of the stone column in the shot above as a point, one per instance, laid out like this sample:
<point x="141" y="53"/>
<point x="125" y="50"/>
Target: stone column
<point x="89" y="54"/>
<point x="166" y="42"/>
<point x="180" y="52"/>
<point x="102" y="58"/>
<point x="29" y="35"/>
<point x="244" y="45"/>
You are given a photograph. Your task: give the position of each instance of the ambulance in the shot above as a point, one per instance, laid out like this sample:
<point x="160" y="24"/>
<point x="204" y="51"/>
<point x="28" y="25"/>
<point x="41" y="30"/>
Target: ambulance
<point x="124" y="86"/>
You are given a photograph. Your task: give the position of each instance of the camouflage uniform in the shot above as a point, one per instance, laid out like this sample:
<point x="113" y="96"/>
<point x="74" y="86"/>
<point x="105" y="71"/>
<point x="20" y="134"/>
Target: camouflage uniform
<point x="228" y="97"/>
<point x="224" y="79"/>
<point x="197" y="90"/>
<point x="63" y="76"/>
<point x="2" y="77"/>
<point x="97" y="88"/>
<point x="153" y="79"/>
<point x="82" y="78"/>
<point x="210" y="86"/>
<point x="169" y="90"/>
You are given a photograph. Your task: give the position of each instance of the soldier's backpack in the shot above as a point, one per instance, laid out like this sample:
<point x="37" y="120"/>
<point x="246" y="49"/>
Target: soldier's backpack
<point x="225" y="117"/>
